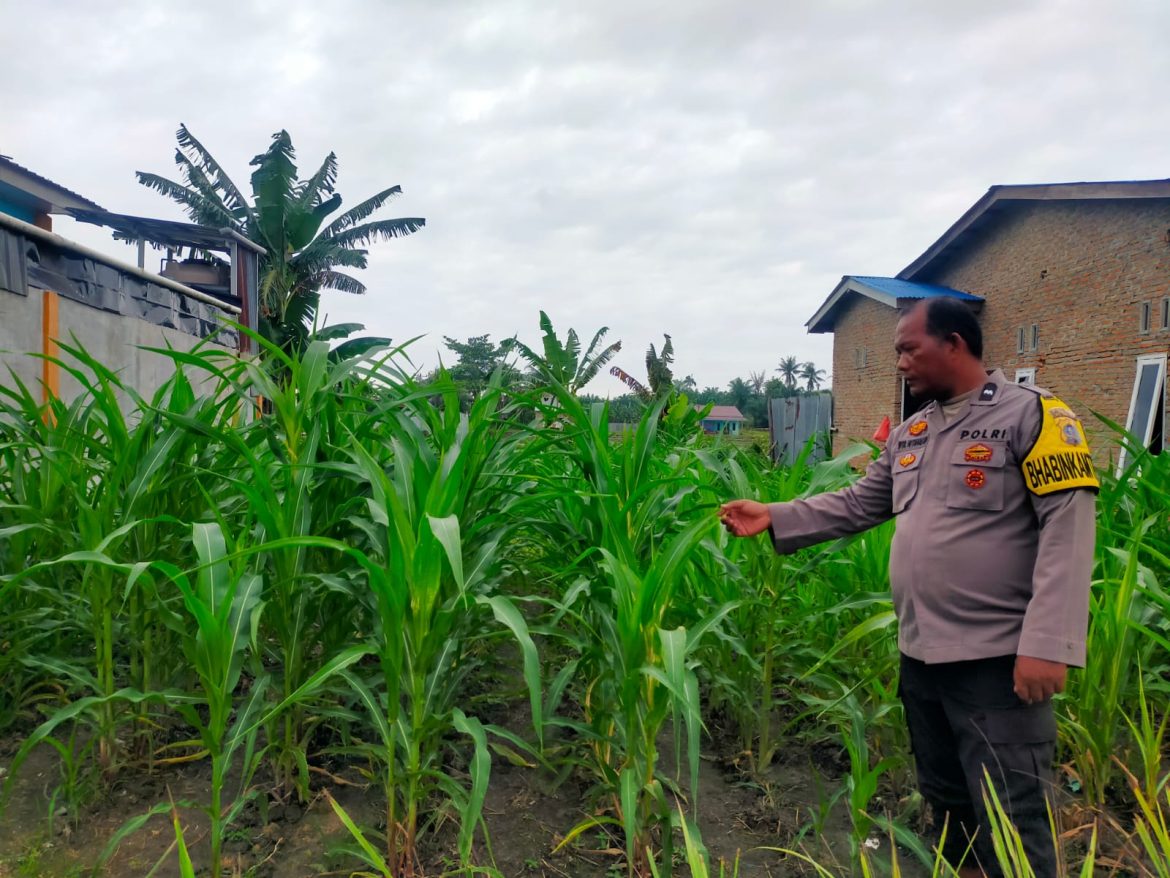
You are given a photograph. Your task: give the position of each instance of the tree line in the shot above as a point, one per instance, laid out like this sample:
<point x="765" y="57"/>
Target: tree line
<point x="476" y="359"/>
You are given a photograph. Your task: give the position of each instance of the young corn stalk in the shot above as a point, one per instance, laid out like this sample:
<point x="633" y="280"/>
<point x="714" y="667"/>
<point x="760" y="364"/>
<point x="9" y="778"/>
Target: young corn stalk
<point x="436" y="515"/>
<point x="1126" y="632"/>
<point x="276" y="476"/>
<point x="222" y="606"/>
<point x="764" y="581"/>
<point x="634" y="530"/>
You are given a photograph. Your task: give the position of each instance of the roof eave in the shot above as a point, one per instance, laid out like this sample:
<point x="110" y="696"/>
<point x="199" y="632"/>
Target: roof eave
<point x="821" y="322"/>
<point x="49" y="197"/>
<point x="996" y="195"/>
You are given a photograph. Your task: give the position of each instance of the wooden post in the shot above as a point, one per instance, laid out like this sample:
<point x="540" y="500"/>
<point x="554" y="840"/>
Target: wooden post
<point x="50" y="330"/>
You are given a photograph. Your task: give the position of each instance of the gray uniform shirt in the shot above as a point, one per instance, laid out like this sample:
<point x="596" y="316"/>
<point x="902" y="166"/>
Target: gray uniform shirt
<point x="980" y="566"/>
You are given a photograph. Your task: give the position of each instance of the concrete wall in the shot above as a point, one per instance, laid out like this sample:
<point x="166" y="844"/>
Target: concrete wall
<point x="20" y="332"/>
<point x="114" y="340"/>
<point x="110" y="309"/>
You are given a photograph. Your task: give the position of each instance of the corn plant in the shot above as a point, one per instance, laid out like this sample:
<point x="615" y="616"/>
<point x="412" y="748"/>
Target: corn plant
<point x="1152" y="825"/>
<point x="763" y="582"/>
<point x="436" y="514"/>
<point x="218" y="634"/>
<point x="1127" y="621"/>
<point x="632" y="528"/>
<point x="108" y="474"/>
<point x="274" y="477"/>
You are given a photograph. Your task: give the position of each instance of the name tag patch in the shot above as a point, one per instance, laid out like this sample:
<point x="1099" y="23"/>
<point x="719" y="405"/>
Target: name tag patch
<point x="1060" y="459"/>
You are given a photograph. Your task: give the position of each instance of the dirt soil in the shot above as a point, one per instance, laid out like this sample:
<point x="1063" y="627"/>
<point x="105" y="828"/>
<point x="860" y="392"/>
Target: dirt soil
<point x="526" y="816"/>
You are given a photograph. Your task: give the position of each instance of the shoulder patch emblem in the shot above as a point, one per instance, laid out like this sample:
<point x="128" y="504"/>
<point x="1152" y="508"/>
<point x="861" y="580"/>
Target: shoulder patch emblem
<point x="979" y="453"/>
<point x="917" y="428"/>
<point x="1060" y="459"/>
<point x="906" y="459"/>
<point x="975" y="479"/>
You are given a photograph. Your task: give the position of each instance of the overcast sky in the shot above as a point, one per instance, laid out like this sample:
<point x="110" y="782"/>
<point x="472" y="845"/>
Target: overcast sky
<point x="704" y="169"/>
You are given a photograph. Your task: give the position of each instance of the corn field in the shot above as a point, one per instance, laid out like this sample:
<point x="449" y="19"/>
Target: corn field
<point x="354" y="575"/>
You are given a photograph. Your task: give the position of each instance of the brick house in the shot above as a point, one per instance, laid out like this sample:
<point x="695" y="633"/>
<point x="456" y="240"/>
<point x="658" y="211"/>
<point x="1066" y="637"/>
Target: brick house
<point x="1071" y="283"/>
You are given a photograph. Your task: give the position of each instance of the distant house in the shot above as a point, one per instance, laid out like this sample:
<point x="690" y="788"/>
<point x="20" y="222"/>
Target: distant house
<point x="53" y="290"/>
<point x="723" y="419"/>
<point x="1071" y="285"/>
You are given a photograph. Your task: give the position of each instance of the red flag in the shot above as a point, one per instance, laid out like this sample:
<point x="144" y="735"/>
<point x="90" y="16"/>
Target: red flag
<point x="882" y="433"/>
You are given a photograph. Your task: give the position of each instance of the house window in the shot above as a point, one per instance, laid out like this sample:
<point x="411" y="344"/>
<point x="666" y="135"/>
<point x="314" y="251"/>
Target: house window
<point x="1144" y="319"/>
<point x="860" y="357"/>
<point x="1166" y="313"/>
<point x="1025" y="376"/>
<point x="1035" y="336"/>
<point x="1020" y="341"/>
<point x="1146" y="421"/>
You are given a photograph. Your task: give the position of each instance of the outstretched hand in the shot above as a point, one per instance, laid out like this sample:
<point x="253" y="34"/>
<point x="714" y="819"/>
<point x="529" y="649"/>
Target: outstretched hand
<point x="745" y="518"/>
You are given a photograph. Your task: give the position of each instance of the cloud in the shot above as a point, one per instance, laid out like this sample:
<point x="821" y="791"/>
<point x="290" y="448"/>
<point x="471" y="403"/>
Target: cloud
<point x="707" y="170"/>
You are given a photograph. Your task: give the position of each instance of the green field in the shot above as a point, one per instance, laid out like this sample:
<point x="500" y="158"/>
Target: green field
<point x="372" y="607"/>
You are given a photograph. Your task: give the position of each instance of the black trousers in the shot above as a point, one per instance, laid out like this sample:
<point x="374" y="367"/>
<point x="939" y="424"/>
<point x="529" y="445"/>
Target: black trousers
<point x="964" y="718"/>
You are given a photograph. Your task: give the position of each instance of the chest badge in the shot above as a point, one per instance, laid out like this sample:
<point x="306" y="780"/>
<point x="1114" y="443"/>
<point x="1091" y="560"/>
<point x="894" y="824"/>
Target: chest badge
<point x="975" y="479"/>
<point x="917" y="428"/>
<point x="978" y="453"/>
<point x="906" y="459"/>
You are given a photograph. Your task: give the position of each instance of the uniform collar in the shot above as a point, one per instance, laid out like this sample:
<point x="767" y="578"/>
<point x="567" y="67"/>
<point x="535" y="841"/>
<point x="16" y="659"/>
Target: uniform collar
<point x="992" y="391"/>
<point x="989" y="394"/>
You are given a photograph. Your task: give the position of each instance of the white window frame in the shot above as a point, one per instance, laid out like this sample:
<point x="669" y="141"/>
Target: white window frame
<point x="1159" y="399"/>
<point x="1026" y="376"/>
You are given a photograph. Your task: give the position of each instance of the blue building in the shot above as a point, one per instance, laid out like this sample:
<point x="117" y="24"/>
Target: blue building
<point x="723" y="419"/>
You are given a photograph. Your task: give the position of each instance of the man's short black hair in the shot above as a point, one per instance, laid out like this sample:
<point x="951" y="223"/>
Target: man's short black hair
<point x="946" y="315"/>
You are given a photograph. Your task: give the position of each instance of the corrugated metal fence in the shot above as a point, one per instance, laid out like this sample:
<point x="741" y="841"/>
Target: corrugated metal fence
<point x="792" y="420"/>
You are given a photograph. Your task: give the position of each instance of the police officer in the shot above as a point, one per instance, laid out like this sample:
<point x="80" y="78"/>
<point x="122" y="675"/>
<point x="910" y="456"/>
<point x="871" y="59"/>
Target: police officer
<point x="994" y="493"/>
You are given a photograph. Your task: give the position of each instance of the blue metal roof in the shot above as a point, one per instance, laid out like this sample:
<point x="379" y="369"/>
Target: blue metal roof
<point x="887" y="290"/>
<point x="906" y="289"/>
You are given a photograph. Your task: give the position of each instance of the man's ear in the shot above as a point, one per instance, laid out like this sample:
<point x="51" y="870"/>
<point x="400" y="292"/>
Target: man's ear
<point x="957" y="342"/>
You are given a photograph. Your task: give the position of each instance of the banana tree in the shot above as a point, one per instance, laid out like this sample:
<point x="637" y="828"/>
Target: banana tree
<point x="290" y="218"/>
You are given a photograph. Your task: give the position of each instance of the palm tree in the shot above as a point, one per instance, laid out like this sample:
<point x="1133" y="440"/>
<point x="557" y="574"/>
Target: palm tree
<point x="789" y="370"/>
<point x="811" y="376"/>
<point x="564" y="363"/>
<point x="757" y="380"/>
<point x="285" y="215"/>
<point x="740" y="392"/>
